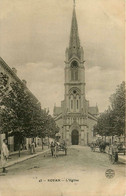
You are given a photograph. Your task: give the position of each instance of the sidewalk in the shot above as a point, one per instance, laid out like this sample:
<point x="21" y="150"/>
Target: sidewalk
<point x="122" y="158"/>
<point x="24" y="155"/>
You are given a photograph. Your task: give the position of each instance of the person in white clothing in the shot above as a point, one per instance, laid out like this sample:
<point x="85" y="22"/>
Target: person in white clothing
<point x="4" y="155"/>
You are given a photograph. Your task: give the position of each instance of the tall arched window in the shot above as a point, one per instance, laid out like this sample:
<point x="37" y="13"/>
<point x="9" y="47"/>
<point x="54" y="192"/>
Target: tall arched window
<point x="72" y="104"/>
<point x="77" y="105"/>
<point x="74" y="70"/>
<point x="74" y="100"/>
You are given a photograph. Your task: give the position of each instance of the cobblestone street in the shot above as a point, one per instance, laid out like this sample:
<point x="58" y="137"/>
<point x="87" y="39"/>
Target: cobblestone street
<point x="79" y="170"/>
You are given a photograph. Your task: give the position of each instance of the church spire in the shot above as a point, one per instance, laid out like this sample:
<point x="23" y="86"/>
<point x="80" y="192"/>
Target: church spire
<point x="74" y="3"/>
<point x="74" y="43"/>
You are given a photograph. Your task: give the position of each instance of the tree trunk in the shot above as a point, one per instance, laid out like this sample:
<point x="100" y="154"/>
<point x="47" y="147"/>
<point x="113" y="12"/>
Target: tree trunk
<point x="42" y="143"/>
<point x="124" y="140"/>
<point x="20" y="140"/>
<point x="19" y="148"/>
<point x="6" y="137"/>
<point x="48" y="142"/>
<point x="112" y="139"/>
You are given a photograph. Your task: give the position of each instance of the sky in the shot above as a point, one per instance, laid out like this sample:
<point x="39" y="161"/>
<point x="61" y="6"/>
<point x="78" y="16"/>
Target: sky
<point x="34" y="35"/>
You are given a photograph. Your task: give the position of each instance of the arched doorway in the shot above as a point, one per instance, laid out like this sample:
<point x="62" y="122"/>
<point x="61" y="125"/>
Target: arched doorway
<point x="75" y="137"/>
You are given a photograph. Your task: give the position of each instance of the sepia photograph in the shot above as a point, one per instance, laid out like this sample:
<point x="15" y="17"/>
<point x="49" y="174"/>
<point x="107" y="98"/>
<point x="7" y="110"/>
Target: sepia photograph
<point x="62" y="98"/>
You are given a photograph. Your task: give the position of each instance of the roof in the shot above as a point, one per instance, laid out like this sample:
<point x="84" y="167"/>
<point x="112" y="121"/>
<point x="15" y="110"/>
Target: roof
<point x="58" y="117"/>
<point x="57" y="111"/>
<point x="17" y="79"/>
<point x="91" y="116"/>
<point x="93" y="110"/>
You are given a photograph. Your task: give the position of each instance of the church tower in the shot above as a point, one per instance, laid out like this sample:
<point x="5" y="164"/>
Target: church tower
<point x="74" y="71"/>
<point x="75" y="113"/>
<point x="75" y="118"/>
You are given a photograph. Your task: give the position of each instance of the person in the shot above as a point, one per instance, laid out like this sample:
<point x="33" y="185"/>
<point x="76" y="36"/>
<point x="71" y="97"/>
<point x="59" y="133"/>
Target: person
<point x="52" y="148"/>
<point x="33" y="147"/>
<point x="65" y="146"/>
<point x="91" y="146"/>
<point x="110" y="152"/>
<point x="107" y="147"/>
<point x="94" y="145"/>
<point x="4" y="155"/>
<point x="56" y="144"/>
<point x="115" y="152"/>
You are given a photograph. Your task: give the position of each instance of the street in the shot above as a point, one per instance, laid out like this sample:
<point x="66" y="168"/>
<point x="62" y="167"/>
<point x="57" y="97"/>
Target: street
<point x="81" y="171"/>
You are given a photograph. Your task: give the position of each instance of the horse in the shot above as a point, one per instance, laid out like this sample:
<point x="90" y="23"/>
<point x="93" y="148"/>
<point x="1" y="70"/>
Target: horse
<point x="103" y="145"/>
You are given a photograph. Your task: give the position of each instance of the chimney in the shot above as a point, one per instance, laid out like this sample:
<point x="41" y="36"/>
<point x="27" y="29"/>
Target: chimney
<point x="14" y="70"/>
<point x="24" y="81"/>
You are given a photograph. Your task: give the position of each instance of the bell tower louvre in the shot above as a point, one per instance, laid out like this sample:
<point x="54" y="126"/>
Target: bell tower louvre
<point x="75" y="118"/>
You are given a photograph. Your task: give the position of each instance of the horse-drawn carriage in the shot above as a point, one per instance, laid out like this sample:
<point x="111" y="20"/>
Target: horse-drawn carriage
<point x="99" y="145"/>
<point x="58" y="145"/>
<point x="62" y="147"/>
<point x="94" y="147"/>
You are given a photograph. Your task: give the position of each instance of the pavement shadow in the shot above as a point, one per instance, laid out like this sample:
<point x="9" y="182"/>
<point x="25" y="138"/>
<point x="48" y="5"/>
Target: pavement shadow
<point x="35" y="167"/>
<point x="120" y="163"/>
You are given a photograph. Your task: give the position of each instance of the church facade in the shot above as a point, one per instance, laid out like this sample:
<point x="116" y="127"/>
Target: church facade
<point x="75" y="117"/>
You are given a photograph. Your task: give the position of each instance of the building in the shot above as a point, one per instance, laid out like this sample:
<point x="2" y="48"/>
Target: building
<point x="75" y="117"/>
<point x="12" y="77"/>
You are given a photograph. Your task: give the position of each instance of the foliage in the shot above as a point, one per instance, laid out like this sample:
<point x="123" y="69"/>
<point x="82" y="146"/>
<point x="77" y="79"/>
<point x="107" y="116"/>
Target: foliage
<point x="118" y="109"/>
<point x="21" y="113"/>
<point x="48" y="126"/>
<point x="112" y="121"/>
<point x="52" y="127"/>
<point x="3" y="85"/>
<point x="17" y="113"/>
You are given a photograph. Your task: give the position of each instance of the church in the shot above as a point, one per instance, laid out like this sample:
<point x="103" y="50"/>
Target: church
<point x="75" y="117"/>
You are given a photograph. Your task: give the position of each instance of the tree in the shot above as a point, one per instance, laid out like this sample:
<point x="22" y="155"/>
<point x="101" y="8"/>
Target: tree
<point x="112" y="121"/>
<point x="18" y="113"/>
<point x="42" y="129"/>
<point x="47" y="126"/>
<point x="21" y="114"/>
<point x="3" y="85"/>
<point x="117" y="101"/>
<point x="3" y="92"/>
<point x="103" y="125"/>
<point x="52" y="127"/>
